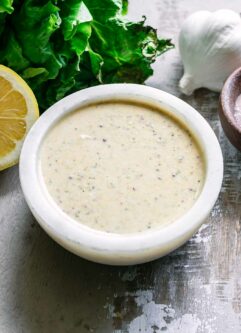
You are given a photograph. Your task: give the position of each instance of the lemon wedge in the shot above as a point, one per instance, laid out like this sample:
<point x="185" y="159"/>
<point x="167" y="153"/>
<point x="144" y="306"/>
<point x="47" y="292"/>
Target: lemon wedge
<point x="18" y="111"/>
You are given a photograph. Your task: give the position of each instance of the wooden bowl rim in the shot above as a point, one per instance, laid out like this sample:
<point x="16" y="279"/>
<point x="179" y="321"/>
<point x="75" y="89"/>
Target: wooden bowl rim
<point x="226" y="98"/>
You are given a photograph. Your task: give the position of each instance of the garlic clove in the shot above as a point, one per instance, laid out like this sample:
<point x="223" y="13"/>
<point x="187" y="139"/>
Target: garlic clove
<point x="187" y="84"/>
<point x="210" y="47"/>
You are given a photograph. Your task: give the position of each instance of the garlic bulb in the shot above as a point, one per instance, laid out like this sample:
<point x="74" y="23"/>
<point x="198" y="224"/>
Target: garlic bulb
<point x="210" y="47"/>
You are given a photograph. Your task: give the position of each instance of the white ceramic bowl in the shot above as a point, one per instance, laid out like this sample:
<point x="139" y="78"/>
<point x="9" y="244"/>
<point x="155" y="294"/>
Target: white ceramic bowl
<point x="111" y="248"/>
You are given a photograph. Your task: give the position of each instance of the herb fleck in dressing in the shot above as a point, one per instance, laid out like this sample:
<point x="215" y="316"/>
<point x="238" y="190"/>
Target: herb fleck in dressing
<point x="122" y="167"/>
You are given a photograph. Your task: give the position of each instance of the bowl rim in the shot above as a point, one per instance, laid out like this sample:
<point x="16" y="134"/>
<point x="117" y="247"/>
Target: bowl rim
<point x="225" y="99"/>
<point x="66" y="229"/>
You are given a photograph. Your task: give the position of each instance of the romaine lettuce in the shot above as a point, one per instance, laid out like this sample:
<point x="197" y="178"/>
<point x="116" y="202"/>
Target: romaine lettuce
<point x="60" y="46"/>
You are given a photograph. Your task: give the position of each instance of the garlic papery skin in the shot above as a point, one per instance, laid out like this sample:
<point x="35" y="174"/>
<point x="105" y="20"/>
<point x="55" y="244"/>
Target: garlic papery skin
<point x="210" y="48"/>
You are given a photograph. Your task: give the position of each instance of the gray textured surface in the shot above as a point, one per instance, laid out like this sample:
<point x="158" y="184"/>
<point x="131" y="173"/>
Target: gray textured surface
<point x="197" y="288"/>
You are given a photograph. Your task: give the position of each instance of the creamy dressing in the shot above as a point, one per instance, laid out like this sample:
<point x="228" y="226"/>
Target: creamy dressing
<point x="122" y="167"/>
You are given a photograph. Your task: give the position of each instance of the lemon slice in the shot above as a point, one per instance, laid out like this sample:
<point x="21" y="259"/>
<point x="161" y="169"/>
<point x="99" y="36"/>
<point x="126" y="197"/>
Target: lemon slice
<point x="18" y="111"/>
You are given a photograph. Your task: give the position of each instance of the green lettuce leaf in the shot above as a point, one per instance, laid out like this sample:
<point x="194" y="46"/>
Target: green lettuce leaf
<point x="13" y="54"/>
<point x="61" y="46"/>
<point x="6" y="6"/>
<point x="128" y="49"/>
<point x="36" y="25"/>
<point x="103" y="10"/>
<point x="73" y="14"/>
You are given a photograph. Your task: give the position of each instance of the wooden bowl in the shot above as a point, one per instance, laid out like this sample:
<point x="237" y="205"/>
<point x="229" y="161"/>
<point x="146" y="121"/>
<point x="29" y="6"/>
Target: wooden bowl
<point x="229" y="113"/>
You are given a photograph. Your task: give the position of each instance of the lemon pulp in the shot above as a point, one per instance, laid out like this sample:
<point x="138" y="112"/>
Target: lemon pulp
<point x="18" y="112"/>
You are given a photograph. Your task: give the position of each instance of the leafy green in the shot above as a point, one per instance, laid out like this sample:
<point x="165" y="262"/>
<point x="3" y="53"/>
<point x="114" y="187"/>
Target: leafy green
<point x="60" y="46"/>
<point x="6" y="6"/>
<point x="103" y="10"/>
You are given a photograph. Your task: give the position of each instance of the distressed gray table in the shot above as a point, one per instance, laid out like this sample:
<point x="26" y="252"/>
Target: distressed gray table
<point x="197" y="288"/>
